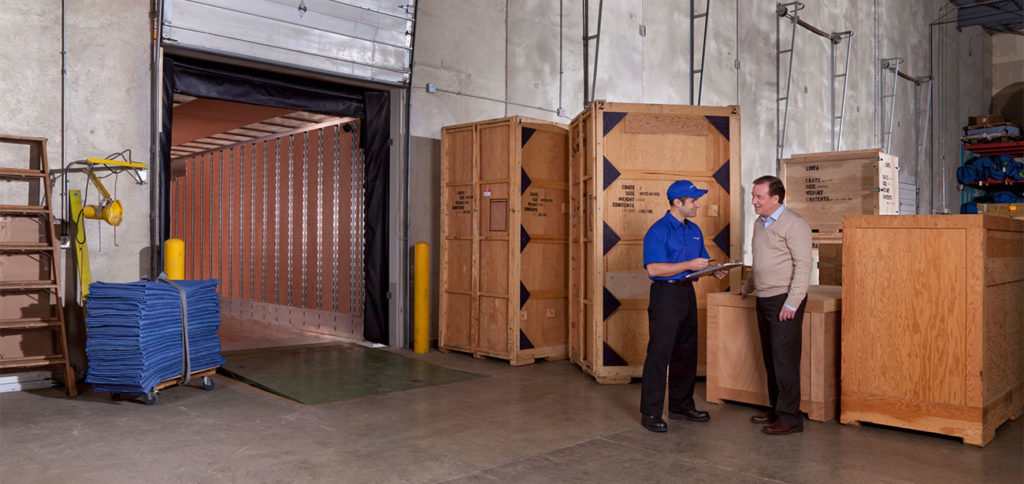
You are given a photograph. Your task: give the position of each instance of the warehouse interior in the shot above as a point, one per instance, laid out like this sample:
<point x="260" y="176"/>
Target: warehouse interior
<point x="388" y="308"/>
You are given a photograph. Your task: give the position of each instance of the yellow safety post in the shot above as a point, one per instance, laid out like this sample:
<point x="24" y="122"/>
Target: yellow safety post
<point x="421" y="298"/>
<point x="174" y="259"/>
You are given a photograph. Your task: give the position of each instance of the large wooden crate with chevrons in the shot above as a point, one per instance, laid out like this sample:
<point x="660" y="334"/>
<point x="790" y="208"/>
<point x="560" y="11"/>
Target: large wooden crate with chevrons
<point x="622" y="158"/>
<point x="504" y="229"/>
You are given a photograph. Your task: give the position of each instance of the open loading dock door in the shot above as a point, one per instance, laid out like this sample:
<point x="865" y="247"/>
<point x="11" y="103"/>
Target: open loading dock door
<point x="295" y="282"/>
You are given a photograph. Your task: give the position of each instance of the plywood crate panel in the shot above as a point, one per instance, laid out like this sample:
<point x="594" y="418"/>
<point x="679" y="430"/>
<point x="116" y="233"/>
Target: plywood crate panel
<point x="622" y="159"/>
<point x="933" y="323"/>
<point x="504" y="239"/>
<point x="735" y="365"/>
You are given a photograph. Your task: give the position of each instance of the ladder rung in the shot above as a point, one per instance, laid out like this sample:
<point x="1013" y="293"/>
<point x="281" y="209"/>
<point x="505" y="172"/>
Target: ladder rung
<point x="785" y="51"/>
<point x="25" y="247"/>
<point x="26" y="285"/>
<point x="839" y="75"/>
<point x="782" y="98"/>
<point x="28" y="361"/>
<point x="23" y="209"/>
<point x="888" y="95"/>
<point x="700" y="15"/>
<point x="20" y="173"/>
<point x="698" y="71"/>
<point x="29" y="323"/>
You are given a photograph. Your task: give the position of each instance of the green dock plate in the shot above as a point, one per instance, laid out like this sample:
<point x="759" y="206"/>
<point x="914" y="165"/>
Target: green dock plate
<point x="316" y="374"/>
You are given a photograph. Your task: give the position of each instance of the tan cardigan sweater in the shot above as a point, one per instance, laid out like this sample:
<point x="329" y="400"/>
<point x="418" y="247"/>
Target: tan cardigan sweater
<point x="782" y="258"/>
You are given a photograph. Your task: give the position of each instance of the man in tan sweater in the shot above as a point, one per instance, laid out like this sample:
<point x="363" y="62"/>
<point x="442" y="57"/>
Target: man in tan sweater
<point x="780" y="274"/>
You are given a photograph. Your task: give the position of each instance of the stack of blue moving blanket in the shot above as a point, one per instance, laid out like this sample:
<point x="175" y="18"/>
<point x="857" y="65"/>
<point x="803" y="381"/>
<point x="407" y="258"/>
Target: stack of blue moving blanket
<point x="134" y="333"/>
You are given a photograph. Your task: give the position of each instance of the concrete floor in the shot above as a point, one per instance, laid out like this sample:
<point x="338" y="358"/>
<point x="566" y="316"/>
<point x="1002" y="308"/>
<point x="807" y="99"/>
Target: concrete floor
<point x="546" y="422"/>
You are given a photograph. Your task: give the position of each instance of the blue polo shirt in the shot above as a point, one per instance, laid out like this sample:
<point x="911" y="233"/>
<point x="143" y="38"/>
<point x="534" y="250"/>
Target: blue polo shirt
<point x="669" y="240"/>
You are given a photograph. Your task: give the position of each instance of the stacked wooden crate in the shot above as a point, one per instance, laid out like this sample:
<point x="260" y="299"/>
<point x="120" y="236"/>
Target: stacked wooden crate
<point x="504" y="239"/>
<point x="824" y="187"/>
<point x="622" y="159"/>
<point x="933" y="323"/>
<point x="736" y="368"/>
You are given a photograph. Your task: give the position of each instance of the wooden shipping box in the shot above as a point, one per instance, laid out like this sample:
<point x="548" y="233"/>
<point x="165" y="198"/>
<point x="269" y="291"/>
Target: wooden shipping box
<point x="504" y="239"/>
<point x="1012" y="210"/>
<point x="735" y="365"/>
<point x="933" y="323"/>
<point x="623" y="157"/>
<point x="825" y="187"/>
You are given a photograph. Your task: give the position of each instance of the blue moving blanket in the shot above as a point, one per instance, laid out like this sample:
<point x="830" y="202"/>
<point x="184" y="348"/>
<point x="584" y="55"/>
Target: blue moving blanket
<point x="134" y="333"/>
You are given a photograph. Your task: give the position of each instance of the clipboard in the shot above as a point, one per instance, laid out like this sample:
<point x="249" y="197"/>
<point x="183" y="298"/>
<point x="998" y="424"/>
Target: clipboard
<point x="712" y="269"/>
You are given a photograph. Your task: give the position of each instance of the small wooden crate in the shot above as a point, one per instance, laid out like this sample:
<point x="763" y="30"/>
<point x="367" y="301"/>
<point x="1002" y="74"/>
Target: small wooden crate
<point x="504" y="239"/>
<point x="735" y="365"/>
<point x="933" y="323"/>
<point x="622" y="159"/>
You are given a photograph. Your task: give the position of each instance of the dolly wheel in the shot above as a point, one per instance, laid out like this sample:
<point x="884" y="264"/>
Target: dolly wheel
<point x="208" y="383"/>
<point x="149" y="398"/>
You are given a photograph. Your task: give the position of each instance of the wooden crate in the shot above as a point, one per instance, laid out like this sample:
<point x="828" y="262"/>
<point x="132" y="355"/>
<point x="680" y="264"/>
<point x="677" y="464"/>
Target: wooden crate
<point x="504" y="240"/>
<point x="735" y="365"/>
<point x="622" y="159"/>
<point x="824" y="187"/>
<point x="829" y="263"/>
<point x="1012" y="210"/>
<point x="933" y="323"/>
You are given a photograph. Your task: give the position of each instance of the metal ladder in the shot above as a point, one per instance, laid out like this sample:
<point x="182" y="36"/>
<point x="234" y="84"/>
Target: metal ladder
<point x="789" y="13"/>
<point x="47" y="287"/>
<point x="694" y="71"/>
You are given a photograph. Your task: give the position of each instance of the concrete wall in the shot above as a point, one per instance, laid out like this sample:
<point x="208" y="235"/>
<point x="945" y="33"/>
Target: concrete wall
<point x="496" y="58"/>
<point x="107" y="107"/>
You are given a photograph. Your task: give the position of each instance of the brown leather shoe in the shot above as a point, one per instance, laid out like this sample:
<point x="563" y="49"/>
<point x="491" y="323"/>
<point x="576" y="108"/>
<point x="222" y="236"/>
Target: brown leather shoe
<point x="780" y="428"/>
<point x="764" y="418"/>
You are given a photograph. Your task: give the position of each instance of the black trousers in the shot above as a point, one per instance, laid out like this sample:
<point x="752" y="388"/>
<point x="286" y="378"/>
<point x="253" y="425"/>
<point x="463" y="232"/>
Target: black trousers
<point x="780" y="346"/>
<point x="672" y="346"/>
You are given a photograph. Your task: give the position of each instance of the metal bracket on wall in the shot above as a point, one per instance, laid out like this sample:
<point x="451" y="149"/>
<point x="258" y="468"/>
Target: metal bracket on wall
<point x="789" y="13"/>
<point x="694" y="72"/>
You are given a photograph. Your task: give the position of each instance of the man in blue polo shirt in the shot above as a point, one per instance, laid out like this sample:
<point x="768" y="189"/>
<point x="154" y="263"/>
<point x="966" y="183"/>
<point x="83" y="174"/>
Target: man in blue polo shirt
<point x="673" y="248"/>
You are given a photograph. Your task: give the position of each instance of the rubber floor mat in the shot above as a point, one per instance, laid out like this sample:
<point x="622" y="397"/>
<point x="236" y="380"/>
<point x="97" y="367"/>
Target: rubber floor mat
<point x="334" y="372"/>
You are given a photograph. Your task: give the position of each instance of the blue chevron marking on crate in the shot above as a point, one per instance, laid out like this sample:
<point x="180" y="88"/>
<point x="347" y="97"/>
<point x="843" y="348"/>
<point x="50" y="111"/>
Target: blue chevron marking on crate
<point x="524" y="294"/>
<point x="722" y="240"/>
<point x="611" y="119"/>
<point x="721" y="123"/>
<point x="722" y="176"/>
<point x="612" y="358"/>
<point x="610" y="173"/>
<point x="610" y="303"/>
<point x="524" y="341"/>
<point x="524" y="238"/>
<point x="527" y="133"/>
<point x="610" y="238"/>
<point x="526" y="182"/>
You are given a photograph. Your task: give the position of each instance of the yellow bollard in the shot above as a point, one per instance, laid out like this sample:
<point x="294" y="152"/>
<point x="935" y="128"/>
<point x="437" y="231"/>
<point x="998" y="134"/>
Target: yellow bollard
<point x="421" y="298"/>
<point x="174" y="259"/>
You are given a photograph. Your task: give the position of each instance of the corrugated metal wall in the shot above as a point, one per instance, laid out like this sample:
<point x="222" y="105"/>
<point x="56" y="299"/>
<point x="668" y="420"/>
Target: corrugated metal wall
<point x="278" y="221"/>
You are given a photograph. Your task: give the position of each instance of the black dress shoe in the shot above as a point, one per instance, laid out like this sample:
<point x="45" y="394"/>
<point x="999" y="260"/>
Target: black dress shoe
<point x="780" y="428"/>
<point x="691" y="415"/>
<point x="764" y="418"/>
<point x="654" y="424"/>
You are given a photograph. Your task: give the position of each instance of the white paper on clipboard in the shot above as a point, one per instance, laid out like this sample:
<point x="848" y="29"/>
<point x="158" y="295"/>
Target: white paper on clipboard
<point x="712" y="269"/>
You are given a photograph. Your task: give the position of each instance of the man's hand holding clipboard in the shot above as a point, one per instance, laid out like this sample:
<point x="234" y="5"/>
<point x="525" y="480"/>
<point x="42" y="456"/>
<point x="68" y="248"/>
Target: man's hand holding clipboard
<point x="719" y="271"/>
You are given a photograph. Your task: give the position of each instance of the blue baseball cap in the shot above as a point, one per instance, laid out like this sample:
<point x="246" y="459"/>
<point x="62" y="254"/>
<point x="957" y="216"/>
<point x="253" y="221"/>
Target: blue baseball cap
<point x="684" y="188"/>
